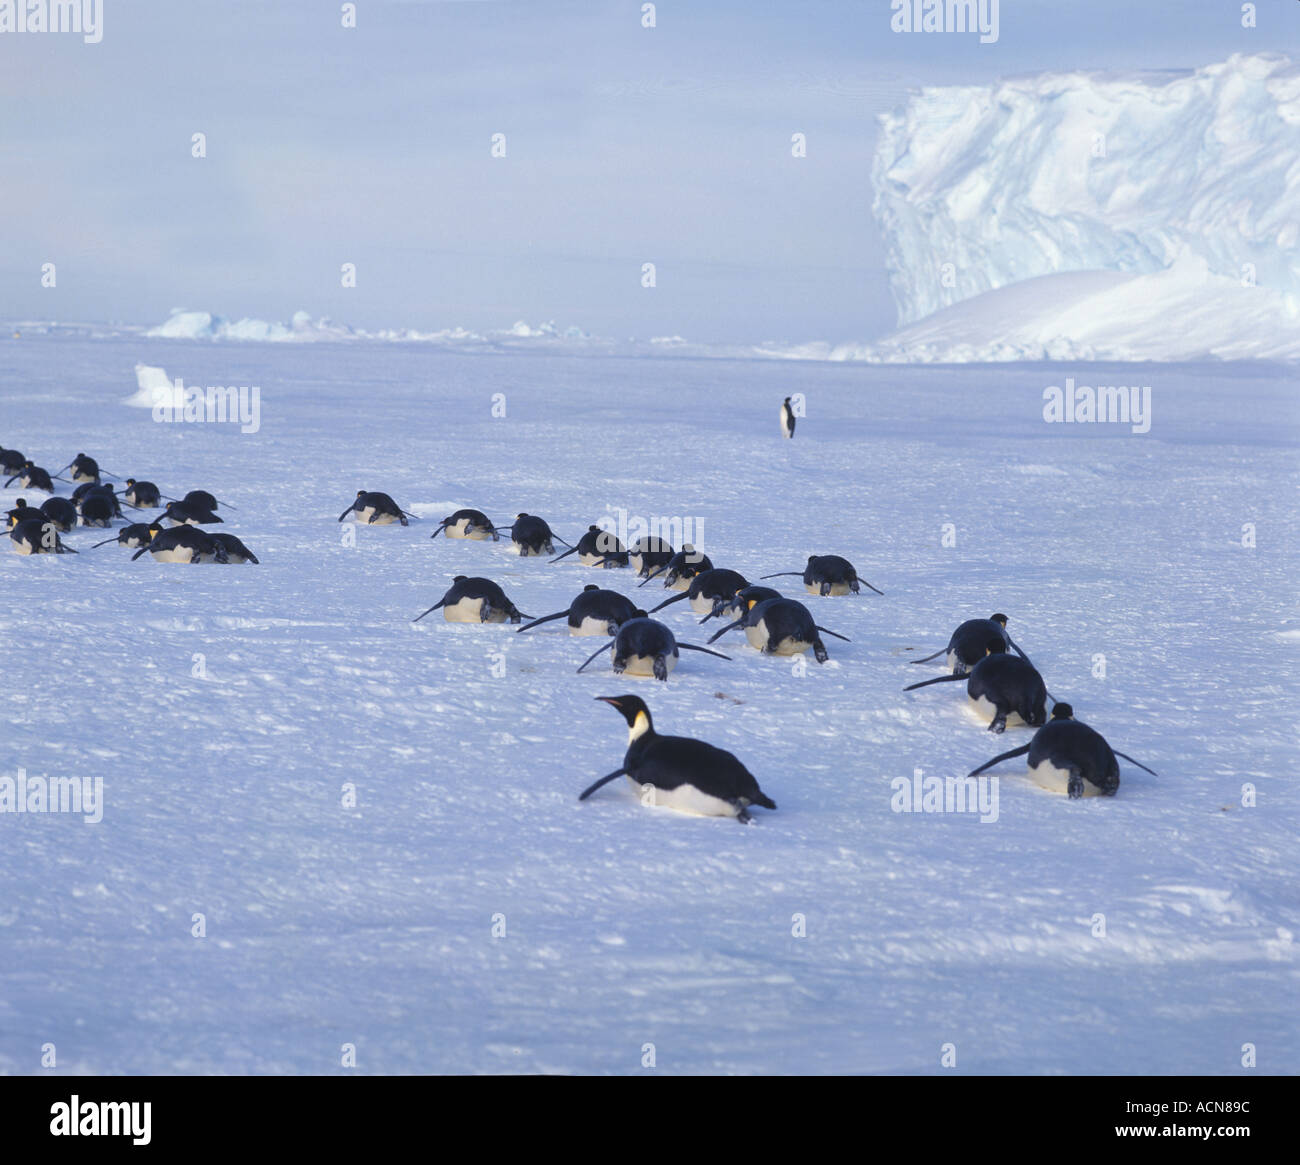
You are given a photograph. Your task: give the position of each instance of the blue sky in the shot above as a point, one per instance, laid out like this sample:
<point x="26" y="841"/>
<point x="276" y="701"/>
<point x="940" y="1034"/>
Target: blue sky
<point x="625" y="145"/>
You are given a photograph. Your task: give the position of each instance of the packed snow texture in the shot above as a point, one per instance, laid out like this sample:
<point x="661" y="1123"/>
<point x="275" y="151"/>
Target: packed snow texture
<point x="982" y="187"/>
<point x="228" y="709"/>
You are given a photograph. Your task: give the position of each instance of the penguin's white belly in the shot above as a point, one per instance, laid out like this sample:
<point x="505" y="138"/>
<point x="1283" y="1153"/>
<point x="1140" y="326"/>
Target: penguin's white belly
<point x="172" y="523"/>
<point x="985" y="710"/>
<point x="471" y="611"/>
<point x="700" y="604"/>
<point x="685" y="799"/>
<point x="457" y="529"/>
<point x="590" y="625"/>
<point x="681" y="584"/>
<point x="95" y="523"/>
<point x="369" y="518"/>
<point x="23" y="547"/>
<point x="591" y="559"/>
<point x="175" y="554"/>
<point x="1049" y="777"/>
<point x="954" y="662"/>
<point x="836" y="588"/>
<point x="529" y="552"/>
<point x="644" y="665"/>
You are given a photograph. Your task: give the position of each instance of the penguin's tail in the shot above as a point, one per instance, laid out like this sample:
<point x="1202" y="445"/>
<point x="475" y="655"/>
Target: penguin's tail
<point x="997" y="760"/>
<point x="587" y="792"/>
<point x="937" y="680"/>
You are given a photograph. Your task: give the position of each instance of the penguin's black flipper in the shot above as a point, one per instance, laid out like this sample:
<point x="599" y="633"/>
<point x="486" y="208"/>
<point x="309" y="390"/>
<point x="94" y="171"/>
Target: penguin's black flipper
<point x="1135" y="762"/>
<point x="941" y="651"/>
<point x="587" y="792"/>
<point x="561" y="541"/>
<point x="443" y="526"/>
<point x="104" y="543"/>
<point x="692" y="647"/>
<point x="543" y="619"/>
<point x="595" y="653"/>
<point x="937" y="680"/>
<point x="343" y="515"/>
<point x="729" y="627"/>
<point x="140" y="551"/>
<point x="675" y="599"/>
<point x="19" y="474"/>
<point x="564" y="555"/>
<point x="430" y="611"/>
<point x="997" y="760"/>
<point x="781" y="574"/>
<point x="65" y="549"/>
<point x="828" y="631"/>
<point x="1016" y="648"/>
<point x="869" y="587"/>
<point x="658" y="570"/>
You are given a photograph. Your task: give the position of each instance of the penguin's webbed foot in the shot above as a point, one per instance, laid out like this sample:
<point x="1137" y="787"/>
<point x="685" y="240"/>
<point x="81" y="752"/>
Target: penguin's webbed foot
<point x="661" y="669"/>
<point x="744" y="816"/>
<point x="1074" y="789"/>
<point x="819" y="651"/>
<point x="999" y="725"/>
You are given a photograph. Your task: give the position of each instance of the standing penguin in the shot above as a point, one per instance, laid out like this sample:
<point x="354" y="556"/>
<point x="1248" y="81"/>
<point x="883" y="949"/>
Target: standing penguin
<point x="475" y="600"/>
<point x="472" y="524"/>
<point x="1067" y="756"/>
<point x="594" y="612"/>
<point x="37" y="536"/>
<point x="969" y="643"/>
<point x="1002" y="685"/>
<point x="787" y="419"/>
<point x="597" y="547"/>
<point x="706" y="588"/>
<point x="681" y="568"/>
<point x="375" y="509"/>
<point x="781" y="627"/>
<point x="684" y="774"/>
<point x="645" y="647"/>
<point x="828" y="574"/>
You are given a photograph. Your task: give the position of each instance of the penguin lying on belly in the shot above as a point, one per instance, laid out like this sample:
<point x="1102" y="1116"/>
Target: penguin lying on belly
<point x="645" y="647"/>
<point x="597" y="547"/>
<point x="1067" y="756"/>
<point x="706" y="588"/>
<point x="679" y="773"/>
<point x="475" y="600"/>
<point x="781" y="627"/>
<point x="828" y="574"/>
<point x="969" y="643"/>
<point x="1003" y="685"/>
<point x="594" y="612"/>
<point x="681" y="568"/>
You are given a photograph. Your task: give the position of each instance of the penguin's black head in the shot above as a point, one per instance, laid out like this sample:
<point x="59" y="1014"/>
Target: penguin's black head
<point x="361" y="493"/>
<point x="459" y="578"/>
<point x="593" y="529"/>
<point x="29" y="464"/>
<point x="130" y="481"/>
<point x="1062" y="712"/>
<point x="630" y="707"/>
<point x="155" y="528"/>
<point x="517" y="516"/>
<point x="996" y="647"/>
<point x="1002" y="619"/>
<point x="591" y="587"/>
<point x="80" y="456"/>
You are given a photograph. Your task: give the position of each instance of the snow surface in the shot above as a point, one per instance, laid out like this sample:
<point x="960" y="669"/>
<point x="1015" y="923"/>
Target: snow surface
<point x="1196" y="175"/>
<point x="468" y="746"/>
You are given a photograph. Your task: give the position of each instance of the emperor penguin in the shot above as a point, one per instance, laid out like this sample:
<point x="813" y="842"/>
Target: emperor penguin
<point x="1002" y="685"/>
<point x="787" y="419"/>
<point x="475" y="600"/>
<point x="676" y="772"/>
<point x="645" y="647"/>
<point x="1066" y="756"/>
<point x="782" y="627"/>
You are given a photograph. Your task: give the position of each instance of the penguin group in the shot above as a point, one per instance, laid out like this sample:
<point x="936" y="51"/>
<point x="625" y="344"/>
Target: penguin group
<point x="175" y="534"/>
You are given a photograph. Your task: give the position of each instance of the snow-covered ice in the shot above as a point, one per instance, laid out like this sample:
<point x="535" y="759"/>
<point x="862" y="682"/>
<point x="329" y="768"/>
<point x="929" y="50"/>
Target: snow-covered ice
<point x="467" y="746"/>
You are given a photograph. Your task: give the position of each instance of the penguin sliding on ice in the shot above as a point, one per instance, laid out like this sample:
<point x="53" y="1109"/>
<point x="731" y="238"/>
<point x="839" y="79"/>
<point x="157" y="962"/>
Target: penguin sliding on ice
<point x="706" y="588"/>
<point x="188" y="514"/>
<point x="84" y="469"/>
<point x="594" y="612"/>
<point x="738" y="605"/>
<point x="61" y="512"/>
<point x="11" y="461"/>
<point x="1066" y="756"/>
<point x="181" y="544"/>
<point x="37" y="536"/>
<point x="475" y="600"/>
<point x="683" y="774"/>
<point x="471" y="524"/>
<point x="532" y="537"/>
<point x="143" y="495"/>
<point x="136" y="534"/>
<point x="97" y="510"/>
<point x="781" y="627"/>
<point x="645" y="647"/>
<point x="649" y="554"/>
<point x="22" y="512"/>
<point x="969" y="643"/>
<point x="1003" y="685"/>
<point x="375" y="509"/>
<point x="597" y="547"/>
<point x="236" y="552"/>
<point x="32" y="477"/>
<point x="787" y="419"/>
<point x="828" y="574"/>
<point x="681" y="568"/>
